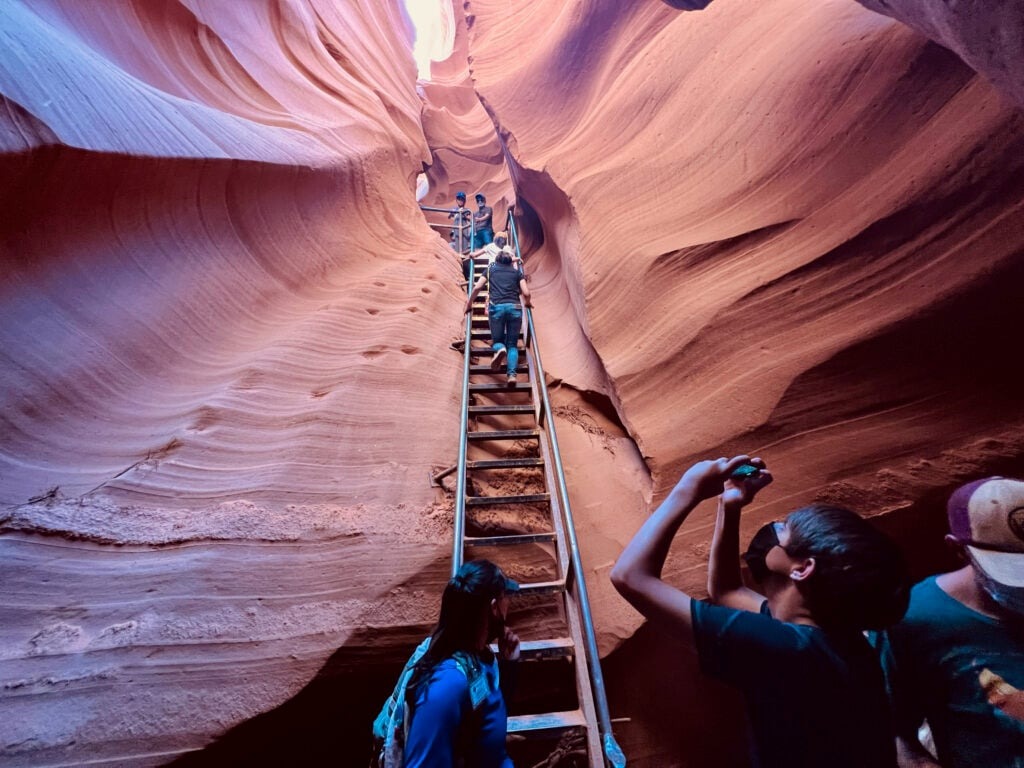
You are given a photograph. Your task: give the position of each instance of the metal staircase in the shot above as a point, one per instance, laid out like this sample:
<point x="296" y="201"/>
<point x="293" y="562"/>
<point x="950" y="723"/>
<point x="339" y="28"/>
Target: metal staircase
<point x="512" y="507"/>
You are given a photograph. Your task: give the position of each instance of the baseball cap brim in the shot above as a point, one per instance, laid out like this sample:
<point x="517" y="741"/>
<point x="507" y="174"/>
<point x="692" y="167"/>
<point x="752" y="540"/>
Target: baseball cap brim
<point x="510" y="585"/>
<point x="1004" y="567"/>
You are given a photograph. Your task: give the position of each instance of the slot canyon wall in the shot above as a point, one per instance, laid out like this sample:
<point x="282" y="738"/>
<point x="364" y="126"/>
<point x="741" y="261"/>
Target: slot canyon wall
<point x="222" y="385"/>
<point x="813" y="215"/>
<point x="780" y="227"/>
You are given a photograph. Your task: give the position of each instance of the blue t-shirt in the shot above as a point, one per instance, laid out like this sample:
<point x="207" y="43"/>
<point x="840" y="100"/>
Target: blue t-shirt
<point x="445" y="724"/>
<point x="933" y="658"/>
<point x="814" y="698"/>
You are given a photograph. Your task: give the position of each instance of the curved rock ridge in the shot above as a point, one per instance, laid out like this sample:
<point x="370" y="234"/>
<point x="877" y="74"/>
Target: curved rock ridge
<point x="987" y="34"/>
<point x="780" y="186"/>
<point x="788" y="229"/>
<point x="184" y="79"/>
<point x="466" y="153"/>
<point x="225" y="378"/>
<point x="203" y="328"/>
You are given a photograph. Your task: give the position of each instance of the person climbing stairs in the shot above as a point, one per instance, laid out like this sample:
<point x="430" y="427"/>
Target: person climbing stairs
<point x="512" y="507"/>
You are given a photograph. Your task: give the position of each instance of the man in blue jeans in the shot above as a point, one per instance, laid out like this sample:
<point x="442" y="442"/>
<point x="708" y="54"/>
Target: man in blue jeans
<point x="507" y="296"/>
<point x="484" y="229"/>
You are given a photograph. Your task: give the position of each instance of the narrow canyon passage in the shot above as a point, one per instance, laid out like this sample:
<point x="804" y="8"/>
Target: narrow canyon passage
<point x="781" y="228"/>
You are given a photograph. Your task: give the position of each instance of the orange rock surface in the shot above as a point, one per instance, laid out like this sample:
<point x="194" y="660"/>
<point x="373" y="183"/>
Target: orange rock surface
<point x="788" y="228"/>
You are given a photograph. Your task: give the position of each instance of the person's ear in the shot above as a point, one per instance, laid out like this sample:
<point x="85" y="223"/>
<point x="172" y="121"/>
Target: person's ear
<point x="956" y="548"/>
<point x="495" y="608"/>
<point x="802" y="570"/>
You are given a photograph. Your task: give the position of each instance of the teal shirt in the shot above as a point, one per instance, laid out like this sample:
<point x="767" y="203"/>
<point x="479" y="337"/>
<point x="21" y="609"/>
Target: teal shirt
<point x="932" y="660"/>
<point x="815" y="699"/>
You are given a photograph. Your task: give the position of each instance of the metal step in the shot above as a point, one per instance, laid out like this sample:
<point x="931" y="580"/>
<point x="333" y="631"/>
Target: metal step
<point x="518" y="386"/>
<point x="487" y="351"/>
<point x="505" y="434"/>
<point x="498" y="410"/>
<point x="509" y="540"/>
<point x="475" y="370"/>
<point x="524" y="725"/>
<point x="543" y="649"/>
<point x="504" y="463"/>
<point x="541" y="588"/>
<point x="523" y="498"/>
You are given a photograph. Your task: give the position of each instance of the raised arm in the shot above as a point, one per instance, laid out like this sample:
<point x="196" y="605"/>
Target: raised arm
<point x="637" y="574"/>
<point x="725" y="586"/>
<point x="474" y="293"/>
<point x="524" y="289"/>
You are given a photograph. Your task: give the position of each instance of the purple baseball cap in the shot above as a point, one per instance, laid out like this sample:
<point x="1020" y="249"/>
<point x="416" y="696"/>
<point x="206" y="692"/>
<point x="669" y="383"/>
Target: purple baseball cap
<point x="988" y="517"/>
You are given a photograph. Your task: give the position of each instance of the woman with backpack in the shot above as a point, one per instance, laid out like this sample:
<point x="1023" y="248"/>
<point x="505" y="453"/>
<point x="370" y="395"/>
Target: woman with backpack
<point x="456" y="713"/>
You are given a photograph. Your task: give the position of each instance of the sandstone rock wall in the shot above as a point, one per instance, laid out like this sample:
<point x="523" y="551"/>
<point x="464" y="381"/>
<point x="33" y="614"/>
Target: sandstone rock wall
<point x="788" y="228"/>
<point x="222" y="322"/>
<point x="813" y="215"/>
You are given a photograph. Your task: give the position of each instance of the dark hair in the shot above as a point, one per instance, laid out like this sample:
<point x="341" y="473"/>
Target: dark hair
<point x="859" y="580"/>
<point x="480" y="196"/>
<point x="465" y="603"/>
<point x="500" y="241"/>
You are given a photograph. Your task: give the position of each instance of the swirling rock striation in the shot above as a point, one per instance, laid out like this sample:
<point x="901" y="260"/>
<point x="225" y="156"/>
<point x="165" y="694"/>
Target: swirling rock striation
<point x="222" y="385"/>
<point x="788" y="229"/>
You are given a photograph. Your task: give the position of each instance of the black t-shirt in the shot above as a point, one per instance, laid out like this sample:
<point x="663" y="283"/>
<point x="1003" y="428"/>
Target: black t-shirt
<point x="815" y="699"/>
<point x="503" y="283"/>
<point x="483" y="216"/>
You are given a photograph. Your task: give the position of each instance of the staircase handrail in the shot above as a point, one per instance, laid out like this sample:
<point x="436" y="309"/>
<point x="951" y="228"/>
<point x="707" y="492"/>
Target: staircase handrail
<point x="613" y="754"/>
<point x="450" y="224"/>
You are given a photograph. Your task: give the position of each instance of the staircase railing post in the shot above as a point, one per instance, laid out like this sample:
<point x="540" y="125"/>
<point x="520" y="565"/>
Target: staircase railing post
<point x="460" y="483"/>
<point x="613" y="755"/>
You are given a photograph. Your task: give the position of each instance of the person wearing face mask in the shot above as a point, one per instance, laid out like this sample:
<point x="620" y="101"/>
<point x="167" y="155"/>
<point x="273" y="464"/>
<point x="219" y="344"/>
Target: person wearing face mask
<point x="957" y="658"/>
<point x="456" y="691"/>
<point x="795" y="649"/>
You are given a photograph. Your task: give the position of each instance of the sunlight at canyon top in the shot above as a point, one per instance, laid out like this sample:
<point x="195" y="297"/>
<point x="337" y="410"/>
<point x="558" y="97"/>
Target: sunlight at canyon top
<point x="435" y="32"/>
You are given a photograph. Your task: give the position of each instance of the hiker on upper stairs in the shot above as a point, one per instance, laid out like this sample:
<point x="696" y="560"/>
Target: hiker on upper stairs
<point x="491" y="250"/>
<point x="507" y="295"/>
<point x="461" y="234"/>
<point x="484" y="229"/>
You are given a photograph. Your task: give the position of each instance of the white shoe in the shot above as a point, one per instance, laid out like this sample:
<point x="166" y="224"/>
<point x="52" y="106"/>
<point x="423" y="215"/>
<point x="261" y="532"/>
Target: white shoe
<point x="498" y="360"/>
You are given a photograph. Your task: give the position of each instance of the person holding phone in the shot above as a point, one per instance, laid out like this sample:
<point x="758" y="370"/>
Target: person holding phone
<point x="795" y="647"/>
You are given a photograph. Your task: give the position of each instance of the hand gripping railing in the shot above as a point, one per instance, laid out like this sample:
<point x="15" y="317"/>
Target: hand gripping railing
<point x="613" y="754"/>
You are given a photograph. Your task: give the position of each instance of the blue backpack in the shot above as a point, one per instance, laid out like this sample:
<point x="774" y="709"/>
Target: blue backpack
<point x="391" y="728"/>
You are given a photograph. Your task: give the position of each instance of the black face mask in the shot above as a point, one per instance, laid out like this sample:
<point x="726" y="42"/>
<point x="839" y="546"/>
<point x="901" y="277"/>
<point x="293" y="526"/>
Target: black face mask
<point x="495" y="627"/>
<point x="764" y="541"/>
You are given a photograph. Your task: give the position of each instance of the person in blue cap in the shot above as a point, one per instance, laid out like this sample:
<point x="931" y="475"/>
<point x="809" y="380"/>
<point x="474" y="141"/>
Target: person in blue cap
<point x="461" y="235"/>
